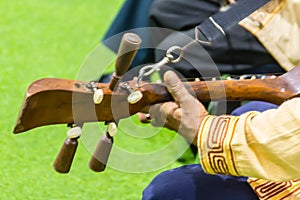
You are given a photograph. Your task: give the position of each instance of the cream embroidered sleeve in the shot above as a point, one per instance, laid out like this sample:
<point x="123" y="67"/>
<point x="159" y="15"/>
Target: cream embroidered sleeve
<point x="263" y="145"/>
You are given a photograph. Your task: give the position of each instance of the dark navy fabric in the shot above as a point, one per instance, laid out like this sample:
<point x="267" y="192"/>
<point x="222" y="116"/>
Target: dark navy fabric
<point x="133" y="14"/>
<point x="191" y="182"/>
<point x="259" y="106"/>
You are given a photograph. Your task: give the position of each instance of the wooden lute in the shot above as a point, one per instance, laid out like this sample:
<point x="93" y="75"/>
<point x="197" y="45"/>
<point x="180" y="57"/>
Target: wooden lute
<point x="59" y="101"/>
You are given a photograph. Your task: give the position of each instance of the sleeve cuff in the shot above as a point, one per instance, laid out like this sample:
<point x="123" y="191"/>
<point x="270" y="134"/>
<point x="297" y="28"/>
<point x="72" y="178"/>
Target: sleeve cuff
<point x="214" y="144"/>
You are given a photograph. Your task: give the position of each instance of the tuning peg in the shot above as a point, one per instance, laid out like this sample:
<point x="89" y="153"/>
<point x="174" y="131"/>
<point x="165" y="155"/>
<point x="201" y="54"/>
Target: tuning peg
<point x="134" y="96"/>
<point x="128" y="48"/>
<point x="98" y="96"/>
<point x="100" y="157"/>
<point x="98" y="93"/>
<point x="64" y="159"/>
<point x="112" y="129"/>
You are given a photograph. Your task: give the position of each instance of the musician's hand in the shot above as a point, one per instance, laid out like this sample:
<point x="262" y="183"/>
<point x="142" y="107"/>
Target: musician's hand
<point x="184" y="115"/>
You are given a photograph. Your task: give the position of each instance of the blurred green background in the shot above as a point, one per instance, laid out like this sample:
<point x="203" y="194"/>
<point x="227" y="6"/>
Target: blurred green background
<point x="52" y="39"/>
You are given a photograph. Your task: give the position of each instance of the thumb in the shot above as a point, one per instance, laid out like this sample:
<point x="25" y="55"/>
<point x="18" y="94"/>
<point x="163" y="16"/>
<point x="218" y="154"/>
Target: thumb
<point x="176" y="88"/>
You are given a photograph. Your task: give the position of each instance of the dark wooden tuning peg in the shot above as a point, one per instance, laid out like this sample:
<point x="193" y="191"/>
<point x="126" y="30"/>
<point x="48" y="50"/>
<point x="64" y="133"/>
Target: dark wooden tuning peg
<point x="129" y="45"/>
<point x="100" y="157"/>
<point x="64" y="159"/>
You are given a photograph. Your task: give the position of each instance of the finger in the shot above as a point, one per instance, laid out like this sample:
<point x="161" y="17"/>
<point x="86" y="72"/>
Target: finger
<point x="177" y="114"/>
<point x="157" y="123"/>
<point x="167" y="109"/>
<point x="144" y="118"/>
<point x="155" y="110"/>
<point x="163" y="110"/>
<point x="170" y="126"/>
<point x="176" y="88"/>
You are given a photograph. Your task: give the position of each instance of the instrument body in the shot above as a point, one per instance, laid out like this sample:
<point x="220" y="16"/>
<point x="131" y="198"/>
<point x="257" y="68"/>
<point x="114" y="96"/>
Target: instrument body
<point x="59" y="101"/>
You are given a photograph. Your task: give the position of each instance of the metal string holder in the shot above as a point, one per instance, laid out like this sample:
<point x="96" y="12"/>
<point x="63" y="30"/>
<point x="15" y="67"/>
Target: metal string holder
<point x="169" y="58"/>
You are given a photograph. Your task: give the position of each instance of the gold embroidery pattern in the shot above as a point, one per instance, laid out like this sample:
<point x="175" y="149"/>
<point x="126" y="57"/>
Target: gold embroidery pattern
<point x="271" y="190"/>
<point x="261" y="17"/>
<point x="215" y="137"/>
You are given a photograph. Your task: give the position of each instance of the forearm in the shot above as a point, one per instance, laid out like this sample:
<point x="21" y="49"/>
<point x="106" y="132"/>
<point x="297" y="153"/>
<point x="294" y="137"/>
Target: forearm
<point x="263" y="145"/>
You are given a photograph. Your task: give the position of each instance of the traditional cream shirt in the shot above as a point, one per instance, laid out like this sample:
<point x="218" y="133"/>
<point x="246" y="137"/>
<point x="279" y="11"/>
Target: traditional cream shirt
<point x="277" y="26"/>
<point x="262" y="145"/>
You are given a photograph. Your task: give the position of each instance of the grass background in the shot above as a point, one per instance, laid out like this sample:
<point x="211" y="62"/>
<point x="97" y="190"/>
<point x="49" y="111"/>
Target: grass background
<point x="51" y="39"/>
